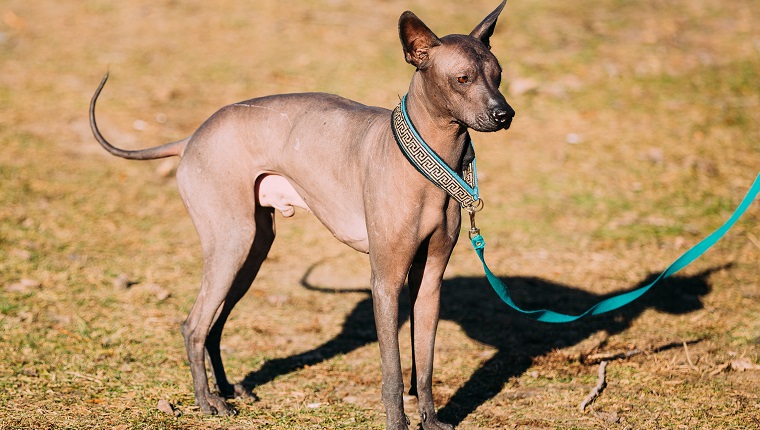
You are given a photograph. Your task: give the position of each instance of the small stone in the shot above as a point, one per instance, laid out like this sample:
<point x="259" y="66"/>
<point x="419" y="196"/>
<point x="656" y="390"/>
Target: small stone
<point x="277" y="299"/>
<point x="22" y="254"/>
<point x="167" y="408"/>
<point x="23" y="286"/>
<point x="160" y="293"/>
<point x="743" y="364"/>
<point x="122" y="282"/>
<point x="610" y="417"/>
<point x="655" y="155"/>
<point x="573" y="138"/>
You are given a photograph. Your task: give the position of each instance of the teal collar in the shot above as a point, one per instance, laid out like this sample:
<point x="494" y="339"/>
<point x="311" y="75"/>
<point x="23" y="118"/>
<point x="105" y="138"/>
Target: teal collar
<point x="463" y="189"/>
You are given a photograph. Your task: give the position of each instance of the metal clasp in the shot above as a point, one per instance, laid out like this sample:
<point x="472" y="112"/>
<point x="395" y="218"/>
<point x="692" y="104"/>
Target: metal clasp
<point x="477" y="206"/>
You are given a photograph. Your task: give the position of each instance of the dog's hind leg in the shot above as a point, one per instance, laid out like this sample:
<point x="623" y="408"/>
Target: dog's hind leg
<point x="262" y="242"/>
<point x="235" y="234"/>
<point x="221" y="265"/>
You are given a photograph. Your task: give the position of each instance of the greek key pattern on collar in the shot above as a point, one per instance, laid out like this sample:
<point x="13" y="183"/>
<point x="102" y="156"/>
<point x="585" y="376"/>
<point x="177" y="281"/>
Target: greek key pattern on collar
<point x="469" y="175"/>
<point x="420" y="157"/>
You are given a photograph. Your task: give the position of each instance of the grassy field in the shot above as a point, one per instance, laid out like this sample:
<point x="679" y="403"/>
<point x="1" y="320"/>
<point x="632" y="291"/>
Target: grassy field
<point x="637" y="133"/>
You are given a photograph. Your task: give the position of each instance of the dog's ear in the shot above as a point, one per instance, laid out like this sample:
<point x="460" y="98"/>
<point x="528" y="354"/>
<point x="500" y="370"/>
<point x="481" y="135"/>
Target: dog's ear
<point x="416" y="38"/>
<point x="484" y="30"/>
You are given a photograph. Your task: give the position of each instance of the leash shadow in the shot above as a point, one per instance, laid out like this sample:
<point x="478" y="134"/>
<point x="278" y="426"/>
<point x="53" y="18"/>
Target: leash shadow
<point x="471" y="303"/>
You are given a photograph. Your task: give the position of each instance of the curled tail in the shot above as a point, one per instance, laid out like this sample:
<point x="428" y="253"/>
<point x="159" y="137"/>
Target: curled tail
<point x="167" y="150"/>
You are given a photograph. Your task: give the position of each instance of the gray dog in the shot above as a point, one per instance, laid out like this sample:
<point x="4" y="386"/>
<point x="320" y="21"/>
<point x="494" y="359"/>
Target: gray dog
<point x="338" y="159"/>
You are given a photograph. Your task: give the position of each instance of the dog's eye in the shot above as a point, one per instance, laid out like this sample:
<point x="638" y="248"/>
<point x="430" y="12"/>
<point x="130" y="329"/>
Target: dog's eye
<point x="463" y="79"/>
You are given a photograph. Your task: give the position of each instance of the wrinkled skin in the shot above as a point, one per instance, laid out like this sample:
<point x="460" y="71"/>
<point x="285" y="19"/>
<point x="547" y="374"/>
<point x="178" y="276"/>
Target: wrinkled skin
<point x="338" y="159"/>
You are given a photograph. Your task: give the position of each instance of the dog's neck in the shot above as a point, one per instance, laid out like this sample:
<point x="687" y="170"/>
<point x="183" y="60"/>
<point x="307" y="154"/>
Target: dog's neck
<point x="436" y="126"/>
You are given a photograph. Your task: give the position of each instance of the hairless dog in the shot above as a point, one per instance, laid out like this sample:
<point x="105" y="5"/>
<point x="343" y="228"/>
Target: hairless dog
<point x="338" y="159"/>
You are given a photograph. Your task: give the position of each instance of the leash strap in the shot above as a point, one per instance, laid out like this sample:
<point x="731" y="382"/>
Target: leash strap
<point x="427" y="162"/>
<point x="623" y="299"/>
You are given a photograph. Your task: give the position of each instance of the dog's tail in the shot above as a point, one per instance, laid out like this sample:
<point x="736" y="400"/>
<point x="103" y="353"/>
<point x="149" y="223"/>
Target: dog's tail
<point x="167" y="150"/>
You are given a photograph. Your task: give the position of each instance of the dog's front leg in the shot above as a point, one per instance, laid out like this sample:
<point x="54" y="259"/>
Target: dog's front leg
<point x="385" y="296"/>
<point x="425" y="290"/>
<point x="387" y="282"/>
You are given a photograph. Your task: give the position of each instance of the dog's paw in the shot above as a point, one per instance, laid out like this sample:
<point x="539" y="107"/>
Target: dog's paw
<point x="431" y="422"/>
<point x="437" y="425"/>
<point x="401" y="423"/>
<point x="215" y="405"/>
<point x="241" y="392"/>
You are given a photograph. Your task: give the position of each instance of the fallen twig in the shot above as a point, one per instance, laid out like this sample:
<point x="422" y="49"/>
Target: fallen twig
<point x="597" y="390"/>
<point x="755" y="241"/>
<point x="721" y="368"/>
<point x="609" y="356"/>
<point x="688" y="357"/>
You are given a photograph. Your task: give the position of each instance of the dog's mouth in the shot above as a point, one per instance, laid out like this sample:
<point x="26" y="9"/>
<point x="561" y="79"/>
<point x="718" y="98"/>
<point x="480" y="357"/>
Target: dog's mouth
<point x="487" y="124"/>
<point x="492" y="119"/>
<point x="504" y="125"/>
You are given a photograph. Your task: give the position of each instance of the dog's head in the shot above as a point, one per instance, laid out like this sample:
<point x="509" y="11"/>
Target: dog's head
<point x="461" y="74"/>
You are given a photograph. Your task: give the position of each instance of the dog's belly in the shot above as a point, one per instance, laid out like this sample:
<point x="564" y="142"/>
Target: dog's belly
<point x="275" y="191"/>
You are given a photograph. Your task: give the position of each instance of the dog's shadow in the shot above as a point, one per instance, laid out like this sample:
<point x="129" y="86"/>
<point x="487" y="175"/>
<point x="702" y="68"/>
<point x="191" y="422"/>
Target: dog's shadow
<point x="470" y="302"/>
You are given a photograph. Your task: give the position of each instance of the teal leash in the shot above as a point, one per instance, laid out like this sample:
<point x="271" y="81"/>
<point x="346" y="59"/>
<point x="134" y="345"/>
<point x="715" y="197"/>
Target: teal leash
<point x="623" y="299"/>
<point x="465" y="191"/>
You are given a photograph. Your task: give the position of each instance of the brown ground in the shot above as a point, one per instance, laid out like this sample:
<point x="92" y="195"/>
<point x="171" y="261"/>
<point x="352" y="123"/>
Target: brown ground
<point x="660" y="100"/>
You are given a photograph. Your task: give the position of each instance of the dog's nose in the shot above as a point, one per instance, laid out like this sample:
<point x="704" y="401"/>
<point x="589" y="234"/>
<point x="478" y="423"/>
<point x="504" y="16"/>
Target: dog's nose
<point x="503" y="116"/>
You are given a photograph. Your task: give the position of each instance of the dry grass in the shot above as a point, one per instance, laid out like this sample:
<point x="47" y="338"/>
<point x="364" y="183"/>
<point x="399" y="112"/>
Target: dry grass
<point x="662" y="98"/>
